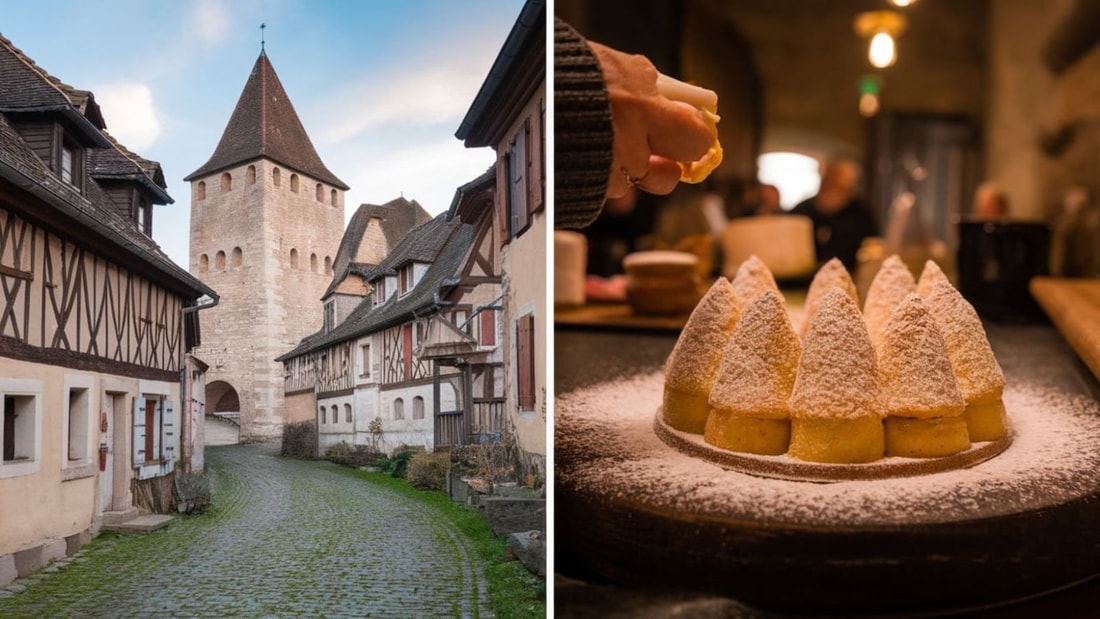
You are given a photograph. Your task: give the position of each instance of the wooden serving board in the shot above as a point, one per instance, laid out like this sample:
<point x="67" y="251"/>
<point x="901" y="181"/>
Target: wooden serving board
<point x="615" y="315"/>
<point x="1074" y="307"/>
<point x="785" y="467"/>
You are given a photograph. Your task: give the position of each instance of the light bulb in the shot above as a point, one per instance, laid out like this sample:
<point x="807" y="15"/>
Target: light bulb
<point x="868" y="104"/>
<point x="882" y="52"/>
<point x="902" y="3"/>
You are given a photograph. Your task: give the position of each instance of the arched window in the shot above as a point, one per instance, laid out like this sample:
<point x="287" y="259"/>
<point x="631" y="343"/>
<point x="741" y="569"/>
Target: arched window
<point x="235" y="259"/>
<point x="347" y="413"/>
<point x="219" y="260"/>
<point x="333" y="194"/>
<point x="294" y="183"/>
<point x="250" y="175"/>
<point x="321" y="413"/>
<point x="275" y="177"/>
<point x="796" y="176"/>
<point x="418" y="407"/>
<point x="320" y="193"/>
<point x="398" y="409"/>
<point x="335" y="414"/>
<point x="328" y="264"/>
<point x="200" y="190"/>
<point x="313" y="262"/>
<point x="293" y="258"/>
<point x="227" y="182"/>
<point x="204" y="263"/>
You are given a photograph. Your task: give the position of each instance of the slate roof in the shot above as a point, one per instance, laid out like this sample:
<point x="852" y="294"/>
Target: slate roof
<point x="396" y="218"/>
<point x="264" y="124"/>
<point x="447" y="241"/>
<point x="26" y="87"/>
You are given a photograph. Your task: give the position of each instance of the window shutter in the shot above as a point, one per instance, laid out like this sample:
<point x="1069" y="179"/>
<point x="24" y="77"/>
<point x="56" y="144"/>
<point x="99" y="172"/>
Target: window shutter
<point x="139" y="430"/>
<point x="407" y="353"/>
<point x="517" y="191"/>
<point x="525" y="362"/>
<point x="168" y="430"/>
<point x="534" y="164"/>
<point x="488" y="328"/>
<point x="500" y="201"/>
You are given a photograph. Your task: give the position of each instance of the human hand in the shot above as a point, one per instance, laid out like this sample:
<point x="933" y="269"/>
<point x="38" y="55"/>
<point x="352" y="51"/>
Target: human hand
<point x="652" y="132"/>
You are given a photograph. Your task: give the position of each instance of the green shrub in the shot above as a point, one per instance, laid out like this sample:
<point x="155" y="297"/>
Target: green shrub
<point x="299" y="440"/>
<point x="428" y="471"/>
<point x="400" y="459"/>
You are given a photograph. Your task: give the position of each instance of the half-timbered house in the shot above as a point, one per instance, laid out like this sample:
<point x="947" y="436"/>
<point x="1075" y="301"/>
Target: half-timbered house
<point x="95" y="323"/>
<point x="509" y="115"/>
<point x="372" y="377"/>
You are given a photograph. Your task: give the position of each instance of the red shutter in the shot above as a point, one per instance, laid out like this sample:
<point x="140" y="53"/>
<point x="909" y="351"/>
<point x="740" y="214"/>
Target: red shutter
<point x="488" y="328"/>
<point x="532" y="127"/>
<point x="500" y="201"/>
<point x="525" y="362"/>
<point x="408" y="352"/>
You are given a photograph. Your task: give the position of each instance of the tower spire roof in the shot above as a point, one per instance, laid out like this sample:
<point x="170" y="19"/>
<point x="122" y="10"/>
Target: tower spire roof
<point x="264" y="124"/>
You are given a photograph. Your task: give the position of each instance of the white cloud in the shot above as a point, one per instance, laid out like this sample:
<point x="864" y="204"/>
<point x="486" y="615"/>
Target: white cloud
<point x="130" y="113"/>
<point x="211" y="21"/>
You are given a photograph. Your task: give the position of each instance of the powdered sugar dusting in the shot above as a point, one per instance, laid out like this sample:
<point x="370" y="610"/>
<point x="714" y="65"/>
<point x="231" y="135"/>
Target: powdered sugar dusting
<point x="837" y="376"/>
<point x="979" y="375"/>
<point x="831" y="275"/>
<point x="758" y="369"/>
<point x="607" y="450"/>
<point x="694" y="361"/>
<point x="929" y="277"/>
<point x="891" y="284"/>
<point x="752" y="279"/>
<point x="914" y="370"/>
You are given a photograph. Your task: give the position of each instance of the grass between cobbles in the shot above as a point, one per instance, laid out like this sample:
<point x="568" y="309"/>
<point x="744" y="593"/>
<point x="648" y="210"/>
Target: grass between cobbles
<point x="513" y="591"/>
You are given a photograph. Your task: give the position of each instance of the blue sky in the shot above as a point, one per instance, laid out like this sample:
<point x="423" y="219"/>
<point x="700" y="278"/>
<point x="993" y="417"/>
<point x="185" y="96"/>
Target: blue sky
<point x="381" y="86"/>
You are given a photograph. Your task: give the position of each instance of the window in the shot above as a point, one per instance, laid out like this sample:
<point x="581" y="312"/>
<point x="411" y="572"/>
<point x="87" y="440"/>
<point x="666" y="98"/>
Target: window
<point x="20" y="412"/>
<point x="488" y="335"/>
<point x="525" y="362"/>
<point x="219" y="260"/>
<point x="227" y="182"/>
<point x="70" y="162"/>
<point x="797" y="176"/>
<point x="418" y="407"/>
<point x="328" y="265"/>
<point x="250" y="175"/>
<point x="200" y="190"/>
<point x="144" y="217"/>
<point x="293" y="258"/>
<point x="320" y="193"/>
<point x="153" y="430"/>
<point x="321" y="413"/>
<point x="236" y="257"/>
<point x="516" y="164"/>
<point x="347" y="413"/>
<point x="380" y="291"/>
<point x="294" y="183"/>
<point x="330" y="316"/>
<point x="407" y="351"/>
<point x="335" y="414"/>
<point x="204" y="263"/>
<point x="405" y="276"/>
<point x="398" y="409"/>
<point x="275" y="177"/>
<point x="313" y="262"/>
<point x="78" y="420"/>
<point x="333" y="194"/>
<point x="365" y="350"/>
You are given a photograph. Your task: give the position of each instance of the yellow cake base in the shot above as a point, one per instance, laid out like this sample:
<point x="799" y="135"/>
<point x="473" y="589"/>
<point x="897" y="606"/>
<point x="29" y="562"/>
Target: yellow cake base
<point x="838" y="441"/>
<point x="686" y="412"/>
<point x="766" y="437"/>
<point x="986" y="422"/>
<point x="925" y="438"/>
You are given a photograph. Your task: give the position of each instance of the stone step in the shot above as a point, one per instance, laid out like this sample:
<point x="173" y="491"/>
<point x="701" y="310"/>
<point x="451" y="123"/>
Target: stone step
<point x="142" y="524"/>
<point x="112" y="518"/>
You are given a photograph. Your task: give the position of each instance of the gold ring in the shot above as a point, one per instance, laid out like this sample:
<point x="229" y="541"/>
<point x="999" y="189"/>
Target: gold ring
<point x="631" y="181"/>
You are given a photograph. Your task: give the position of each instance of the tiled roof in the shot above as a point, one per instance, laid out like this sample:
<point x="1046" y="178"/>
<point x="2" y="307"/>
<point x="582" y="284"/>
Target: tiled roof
<point x="452" y="241"/>
<point x="27" y="87"/>
<point x="119" y="162"/>
<point x="264" y="124"/>
<point x="396" y="218"/>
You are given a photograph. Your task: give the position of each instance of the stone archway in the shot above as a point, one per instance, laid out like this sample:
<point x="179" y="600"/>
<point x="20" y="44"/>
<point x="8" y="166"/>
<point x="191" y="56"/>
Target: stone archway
<point x="223" y="405"/>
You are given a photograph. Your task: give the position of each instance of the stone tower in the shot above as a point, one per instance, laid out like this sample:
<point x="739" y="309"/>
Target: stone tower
<point x="266" y="219"/>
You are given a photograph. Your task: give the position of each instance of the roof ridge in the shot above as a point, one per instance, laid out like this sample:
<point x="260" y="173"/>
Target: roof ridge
<point x="54" y="82"/>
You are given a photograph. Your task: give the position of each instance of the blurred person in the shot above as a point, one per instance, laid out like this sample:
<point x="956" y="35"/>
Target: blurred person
<point x="767" y="200"/>
<point x="1076" y="232"/>
<point x="990" y="202"/>
<point x="613" y="130"/>
<point x="840" y="218"/>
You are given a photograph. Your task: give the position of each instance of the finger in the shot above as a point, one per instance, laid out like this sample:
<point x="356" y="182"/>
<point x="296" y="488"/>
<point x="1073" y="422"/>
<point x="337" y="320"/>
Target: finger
<point x="617" y="184"/>
<point x="662" y="177"/>
<point x="677" y="131"/>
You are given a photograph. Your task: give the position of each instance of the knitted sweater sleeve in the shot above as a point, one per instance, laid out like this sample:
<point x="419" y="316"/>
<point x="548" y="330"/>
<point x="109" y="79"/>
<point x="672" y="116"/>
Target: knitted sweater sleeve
<point x="583" y="137"/>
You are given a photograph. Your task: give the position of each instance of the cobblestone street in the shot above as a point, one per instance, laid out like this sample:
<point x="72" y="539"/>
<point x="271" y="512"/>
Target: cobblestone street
<point x="286" y="538"/>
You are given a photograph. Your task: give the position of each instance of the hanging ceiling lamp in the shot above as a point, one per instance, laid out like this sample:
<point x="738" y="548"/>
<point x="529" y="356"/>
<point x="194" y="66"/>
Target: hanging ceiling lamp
<point x="882" y="28"/>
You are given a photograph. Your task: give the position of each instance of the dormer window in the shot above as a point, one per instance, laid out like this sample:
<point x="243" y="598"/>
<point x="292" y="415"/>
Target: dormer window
<point x="330" y="316"/>
<point x="144" y="217"/>
<point x="69" y="166"/>
<point x="380" y="291"/>
<point x="406" y="278"/>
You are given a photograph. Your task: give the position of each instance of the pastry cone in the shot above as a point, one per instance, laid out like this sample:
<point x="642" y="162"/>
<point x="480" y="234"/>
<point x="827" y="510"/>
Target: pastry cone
<point x="831" y="274"/>
<point x="929" y="277"/>
<point x="752" y="279"/>
<point x="920" y="397"/>
<point x="835" y="409"/>
<point x="748" y="404"/>
<point x="980" y="379"/>
<point x="891" y="284"/>
<point x="693" y="365"/>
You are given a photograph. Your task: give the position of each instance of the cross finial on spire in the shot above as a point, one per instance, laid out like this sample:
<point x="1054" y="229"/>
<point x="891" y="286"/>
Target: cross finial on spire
<point x="262" y="26"/>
